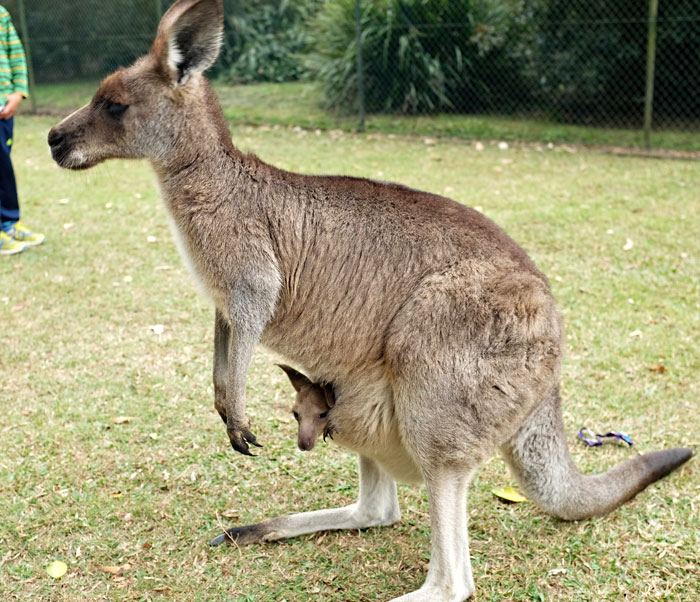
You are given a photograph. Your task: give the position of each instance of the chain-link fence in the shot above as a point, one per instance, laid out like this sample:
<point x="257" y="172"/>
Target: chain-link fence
<point x="593" y="62"/>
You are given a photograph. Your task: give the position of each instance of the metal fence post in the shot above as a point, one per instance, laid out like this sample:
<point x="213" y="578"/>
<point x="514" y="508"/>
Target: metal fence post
<point x="651" y="59"/>
<point x="27" y="53"/>
<point x="360" y="70"/>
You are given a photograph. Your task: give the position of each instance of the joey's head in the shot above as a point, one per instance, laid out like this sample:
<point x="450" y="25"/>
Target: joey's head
<point x="150" y="109"/>
<point x="313" y="403"/>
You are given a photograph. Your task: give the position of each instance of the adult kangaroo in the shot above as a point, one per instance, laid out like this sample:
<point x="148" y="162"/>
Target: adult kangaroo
<point x="440" y="336"/>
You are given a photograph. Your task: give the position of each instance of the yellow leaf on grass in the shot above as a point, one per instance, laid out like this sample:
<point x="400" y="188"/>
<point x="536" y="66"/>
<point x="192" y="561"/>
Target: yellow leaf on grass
<point x="57" y="569"/>
<point x="509" y="494"/>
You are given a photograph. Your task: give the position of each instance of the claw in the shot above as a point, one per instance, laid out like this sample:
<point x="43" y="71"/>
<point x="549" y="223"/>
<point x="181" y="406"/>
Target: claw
<point x="240" y="439"/>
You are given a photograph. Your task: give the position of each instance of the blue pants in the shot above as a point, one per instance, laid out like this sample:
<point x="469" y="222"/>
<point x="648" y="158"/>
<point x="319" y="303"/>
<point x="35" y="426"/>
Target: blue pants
<point x="9" y="204"/>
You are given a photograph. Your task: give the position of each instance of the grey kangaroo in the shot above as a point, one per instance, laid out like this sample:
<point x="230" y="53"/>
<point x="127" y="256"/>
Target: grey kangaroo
<point x="440" y="335"/>
<point x="311" y="408"/>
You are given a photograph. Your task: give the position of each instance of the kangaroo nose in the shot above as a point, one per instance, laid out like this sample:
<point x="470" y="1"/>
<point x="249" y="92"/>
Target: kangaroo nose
<point x="55" y="137"/>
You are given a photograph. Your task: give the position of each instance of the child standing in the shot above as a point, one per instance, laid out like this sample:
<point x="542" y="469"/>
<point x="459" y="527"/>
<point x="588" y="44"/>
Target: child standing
<point x="15" y="237"/>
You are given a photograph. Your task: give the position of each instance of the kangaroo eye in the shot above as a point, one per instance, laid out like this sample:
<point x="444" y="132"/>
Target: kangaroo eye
<point x="324" y="415"/>
<point x="115" y="109"/>
<point x="296" y="416"/>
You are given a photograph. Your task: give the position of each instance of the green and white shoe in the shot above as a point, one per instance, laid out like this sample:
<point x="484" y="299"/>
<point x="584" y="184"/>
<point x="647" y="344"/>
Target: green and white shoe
<point x="22" y="234"/>
<point x="9" y="246"/>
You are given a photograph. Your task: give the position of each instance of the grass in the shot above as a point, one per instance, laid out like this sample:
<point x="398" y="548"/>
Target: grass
<point x="149" y="490"/>
<point x="296" y="104"/>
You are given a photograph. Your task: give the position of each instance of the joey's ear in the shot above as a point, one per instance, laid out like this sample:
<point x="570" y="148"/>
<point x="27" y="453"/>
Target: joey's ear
<point x="330" y="395"/>
<point x="188" y="38"/>
<point x="297" y="378"/>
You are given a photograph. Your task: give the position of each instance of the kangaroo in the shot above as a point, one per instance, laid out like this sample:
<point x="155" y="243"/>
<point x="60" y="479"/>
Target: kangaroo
<point x="313" y="403"/>
<point x="441" y="337"/>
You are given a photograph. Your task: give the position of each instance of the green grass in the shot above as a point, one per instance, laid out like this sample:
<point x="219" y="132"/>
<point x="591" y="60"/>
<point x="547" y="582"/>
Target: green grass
<point x="79" y="351"/>
<point x="297" y="105"/>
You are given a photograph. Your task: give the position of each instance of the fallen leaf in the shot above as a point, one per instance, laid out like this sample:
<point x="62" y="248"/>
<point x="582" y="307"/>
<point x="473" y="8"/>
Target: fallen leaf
<point x="230" y="513"/>
<point x="636" y="334"/>
<point x="57" y="569"/>
<point x="123" y="419"/>
<point x="116" y="570"/>
<point x="509" y="494"/>
<point x="560" y="571"/>
<point x="629" y="244"/>
<point x="660" y="368"/>
<point x="19" y="306"/>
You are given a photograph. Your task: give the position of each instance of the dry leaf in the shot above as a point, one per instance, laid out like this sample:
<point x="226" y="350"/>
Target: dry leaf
<point x="116" y="570"/>
<point x="636" y="333"/>
<point x="123" y="419"/>
<point x="230" y="513"/>
<point x="560" y="571"/>
<point x="660" y="368"/>
<point x="629" y="244"/>
<point x="19" y="306"/>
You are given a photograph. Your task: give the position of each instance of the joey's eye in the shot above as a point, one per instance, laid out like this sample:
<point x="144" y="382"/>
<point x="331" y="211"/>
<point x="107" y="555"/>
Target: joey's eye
<point x="115" y="109"/>
<point x="296" y="416"/>
<point x="324" y="415"/>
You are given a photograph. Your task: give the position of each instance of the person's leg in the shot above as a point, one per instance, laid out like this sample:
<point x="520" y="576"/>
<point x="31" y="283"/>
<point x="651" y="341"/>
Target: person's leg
<point x="9" y="206"/>
<point x="9" y="203"/>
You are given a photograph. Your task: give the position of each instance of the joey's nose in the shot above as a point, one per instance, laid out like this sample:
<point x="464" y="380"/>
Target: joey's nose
<point x="55" y="137"/>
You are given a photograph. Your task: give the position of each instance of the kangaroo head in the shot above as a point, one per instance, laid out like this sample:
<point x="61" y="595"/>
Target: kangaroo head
<point x="311" y="407"/>
<point x="155" y="108"/>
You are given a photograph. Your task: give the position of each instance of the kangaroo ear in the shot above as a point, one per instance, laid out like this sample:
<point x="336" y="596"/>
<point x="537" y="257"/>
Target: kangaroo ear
<point x="329" y="392"/>
<point x="297" y="378"/>
<point x="188" y="38"/>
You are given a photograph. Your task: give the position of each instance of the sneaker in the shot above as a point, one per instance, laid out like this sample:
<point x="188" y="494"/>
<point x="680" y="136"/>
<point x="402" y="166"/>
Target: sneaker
<point x="9" y="246"/>
<point x="24" y="235"/>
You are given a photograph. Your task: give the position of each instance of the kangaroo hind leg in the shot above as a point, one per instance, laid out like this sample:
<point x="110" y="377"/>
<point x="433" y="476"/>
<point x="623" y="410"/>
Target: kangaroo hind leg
<point x="377" y="505"/>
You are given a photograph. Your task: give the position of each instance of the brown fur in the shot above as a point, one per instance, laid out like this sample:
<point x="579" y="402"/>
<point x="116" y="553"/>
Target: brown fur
<point x="440" y="335"/>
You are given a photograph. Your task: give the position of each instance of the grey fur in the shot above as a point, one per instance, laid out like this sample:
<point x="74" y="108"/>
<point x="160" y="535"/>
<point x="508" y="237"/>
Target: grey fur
<point x="311" y="409"/>
<point x="440" y="335"/>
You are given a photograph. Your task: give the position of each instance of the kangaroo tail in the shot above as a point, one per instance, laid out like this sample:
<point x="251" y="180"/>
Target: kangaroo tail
<point x="539" y="458"/>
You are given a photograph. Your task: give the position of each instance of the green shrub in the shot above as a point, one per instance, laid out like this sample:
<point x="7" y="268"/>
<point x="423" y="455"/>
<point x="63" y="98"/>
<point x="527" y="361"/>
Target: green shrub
<point x="591" y="60"/>
<point x="264" y="40"/>
<point x="419" y="55"/>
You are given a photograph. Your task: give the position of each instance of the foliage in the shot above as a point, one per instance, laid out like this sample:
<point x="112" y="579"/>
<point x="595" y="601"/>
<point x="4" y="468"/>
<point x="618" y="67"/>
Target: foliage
<point x="419" y="55"/>
<point x="265" y="39"/>
<point x="591" y="62"/>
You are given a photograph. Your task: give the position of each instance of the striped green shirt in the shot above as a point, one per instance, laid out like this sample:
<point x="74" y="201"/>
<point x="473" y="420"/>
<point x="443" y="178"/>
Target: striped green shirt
<point x="13" y="66"/>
